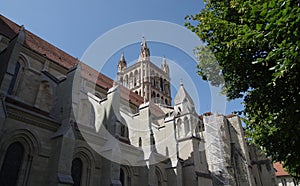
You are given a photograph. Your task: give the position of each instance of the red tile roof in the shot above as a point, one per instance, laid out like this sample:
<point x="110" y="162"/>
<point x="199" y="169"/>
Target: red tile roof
<point x="35" y="43"/>
<point x="230" y="115"/>
<point x="280" y="170"/>
<point x="9" y="29"/>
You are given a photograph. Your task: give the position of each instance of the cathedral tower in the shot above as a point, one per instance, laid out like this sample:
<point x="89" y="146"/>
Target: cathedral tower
<point x="145" y="78"/>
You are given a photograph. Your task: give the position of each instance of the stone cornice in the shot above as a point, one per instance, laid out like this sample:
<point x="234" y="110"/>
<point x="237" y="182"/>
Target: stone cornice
<point x="31" y="117"/>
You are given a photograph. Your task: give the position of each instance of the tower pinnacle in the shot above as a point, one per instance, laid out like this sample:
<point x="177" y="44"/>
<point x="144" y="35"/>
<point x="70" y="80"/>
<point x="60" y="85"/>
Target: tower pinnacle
<point x="164" y="65"/>
<point x="122" y="63"/>
<point x="144" y="43"/>
<point x="181" y="82"/>
<point x="145" y="52"/>
<point x="122" y="57"/>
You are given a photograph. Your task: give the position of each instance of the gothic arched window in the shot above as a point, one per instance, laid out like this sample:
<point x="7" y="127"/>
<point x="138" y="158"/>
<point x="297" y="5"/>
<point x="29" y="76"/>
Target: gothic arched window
<point x="14" y="78"/>
<point x="157" y="98"/>
<point x="126" y="81"/>
<point x="153" y="95"/>
<point x="123" y="130"/>
<point x="122" y="176"/>
<point x="179" y="127"/>
<point x="76" y="171"/>
<point x="11" y="165"/>
<point x="125" y="176"/>
<point x="161" y="84"/>
<point x="158" y="175"/>
<point x="92" y="117"/>
<point x="136" y="78"/>
<point x="131" y="80"/>
<point x="186" y="125"/>
<point x="140" y="142"/>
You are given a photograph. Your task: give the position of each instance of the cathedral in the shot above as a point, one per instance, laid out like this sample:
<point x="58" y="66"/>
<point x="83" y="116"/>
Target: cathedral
<point x="62" y="123"/>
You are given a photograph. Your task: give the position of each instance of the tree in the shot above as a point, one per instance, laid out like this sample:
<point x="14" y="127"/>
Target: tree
<point x="256" y="45"/>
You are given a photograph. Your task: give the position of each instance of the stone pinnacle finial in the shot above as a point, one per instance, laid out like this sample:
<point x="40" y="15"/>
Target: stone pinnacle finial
<point x="144" y="43"/>
<point x="164" y="61"/>
<point x="145" y="52"/>
<point x="122" y="57"/>
<point x="181" y="82"/>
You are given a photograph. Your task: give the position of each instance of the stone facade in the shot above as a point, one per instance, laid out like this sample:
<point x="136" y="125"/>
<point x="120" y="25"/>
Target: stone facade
<point x="231" y="160"/>
<point x="63" y="123"/>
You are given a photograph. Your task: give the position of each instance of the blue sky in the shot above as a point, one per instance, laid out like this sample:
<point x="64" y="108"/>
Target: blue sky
<point x="74" y="25"/>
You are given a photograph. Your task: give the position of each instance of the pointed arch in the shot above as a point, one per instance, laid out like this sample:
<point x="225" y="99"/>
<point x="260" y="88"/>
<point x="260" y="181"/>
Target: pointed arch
<point x="153" y="94"/>
<point x="92" y="117"/>
<point x="126" y="83"/>
<point x="135" y="78"/>
<point x="159" y="177"/>
<point x="17" y="74"/>
<point x="179" y="127"/>
<point x="140" y="142"/>
<point x="131" y="77"/>
<point x="12" y="163"/>
<point x="88" y="162"/>
<point x="28" y="138"/>
<point x="31" y="146"/>
<point x="126" y="174"/>
<point x="76" y="171"/>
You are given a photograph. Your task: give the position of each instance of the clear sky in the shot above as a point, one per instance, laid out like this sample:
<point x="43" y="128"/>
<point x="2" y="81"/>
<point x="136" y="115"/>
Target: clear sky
<point x="74" y="25"/>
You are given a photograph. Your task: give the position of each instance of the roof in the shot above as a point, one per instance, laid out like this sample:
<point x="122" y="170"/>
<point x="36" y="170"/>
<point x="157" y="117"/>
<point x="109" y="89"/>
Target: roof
<point x="10" y="29"/>
<point x="280" y="170"/>
<point x="230" y="115"/>
<point x="35" y="43"/>
<point x="182" y="95"/>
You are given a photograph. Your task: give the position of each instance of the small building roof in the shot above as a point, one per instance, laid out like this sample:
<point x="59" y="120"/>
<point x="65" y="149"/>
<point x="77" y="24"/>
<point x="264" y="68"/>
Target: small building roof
<point x="279" y="170"/>
<point x="181" y="95"/>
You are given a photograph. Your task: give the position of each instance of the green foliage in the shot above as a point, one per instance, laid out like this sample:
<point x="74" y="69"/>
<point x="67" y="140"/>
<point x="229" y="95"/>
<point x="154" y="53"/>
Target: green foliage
<point x="256" y="46"/>
<point x="208" y="66"/>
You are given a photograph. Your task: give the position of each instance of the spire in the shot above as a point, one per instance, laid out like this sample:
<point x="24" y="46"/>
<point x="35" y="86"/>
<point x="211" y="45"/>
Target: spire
<point x="122" y="57"/>
<point x="164" y="65"/>
<point x="164" y="61"/>
<point x="145" y="52"/>
<point x="122" y="63"/>
<point x="144" y="43"/>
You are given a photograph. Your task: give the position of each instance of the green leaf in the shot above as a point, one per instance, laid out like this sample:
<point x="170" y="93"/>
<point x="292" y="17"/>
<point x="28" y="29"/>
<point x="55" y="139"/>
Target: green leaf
<point x="256" y="46"/>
